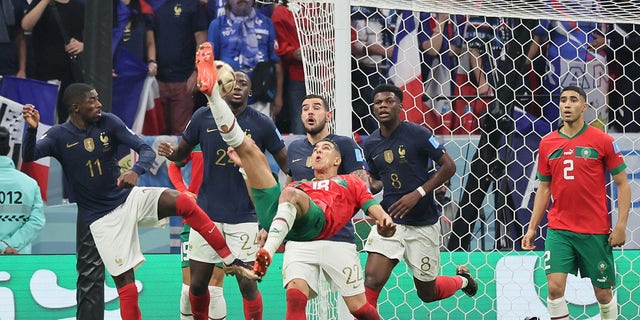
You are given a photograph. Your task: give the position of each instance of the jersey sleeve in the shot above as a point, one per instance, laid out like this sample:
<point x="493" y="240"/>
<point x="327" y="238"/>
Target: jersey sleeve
<point x="191" y="132"/>
<point x="273" y="141"/>
<point x="373" y="170"/>
<point x="431" y="146"/>
<point x="613" y="157"/>
<point x="352" y="155"/>
<point x="128" y="138"/>
<point x="544" y="171"/>
<point x="32" y="150"/>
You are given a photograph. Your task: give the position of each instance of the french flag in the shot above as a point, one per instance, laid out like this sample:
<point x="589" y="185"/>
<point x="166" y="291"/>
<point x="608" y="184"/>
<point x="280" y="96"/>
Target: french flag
<point x="405" y="68"/>
<point x="44" y="96"/>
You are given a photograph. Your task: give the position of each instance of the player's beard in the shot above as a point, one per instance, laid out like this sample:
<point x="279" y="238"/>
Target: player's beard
<point x="320" y="124"/>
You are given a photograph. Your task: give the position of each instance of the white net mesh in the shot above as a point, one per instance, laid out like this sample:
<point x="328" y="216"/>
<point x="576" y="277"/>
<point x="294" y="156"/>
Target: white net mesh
<point x="484" y="76"/>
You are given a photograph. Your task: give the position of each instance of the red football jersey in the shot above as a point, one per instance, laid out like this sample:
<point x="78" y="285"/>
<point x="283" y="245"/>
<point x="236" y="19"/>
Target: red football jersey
<point x="576" y="168"/>
<point x="339" y="197"/>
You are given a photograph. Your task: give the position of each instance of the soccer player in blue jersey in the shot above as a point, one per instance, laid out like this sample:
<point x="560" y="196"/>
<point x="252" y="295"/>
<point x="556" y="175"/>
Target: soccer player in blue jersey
<point x="223" y="193"/>
<point x="108" y="199"/>
<point x="301" y="270"/>
<point x="400" y="155"/>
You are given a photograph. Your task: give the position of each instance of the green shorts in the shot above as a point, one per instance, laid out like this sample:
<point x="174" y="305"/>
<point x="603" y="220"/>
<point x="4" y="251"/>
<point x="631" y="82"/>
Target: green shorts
<point x="305" y="228"/>
<point x="184" y="245"/>
<point x="591" y="254"/>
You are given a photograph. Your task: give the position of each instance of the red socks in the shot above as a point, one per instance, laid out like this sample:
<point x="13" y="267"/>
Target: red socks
<point x="447" y="286"/>
<point x="129" y="309"/>
<point x="198" y="220"/>
<point x="296" y="304"/>
<point x="366" y="312"/>
<point x="253" y="308"/>
<point x="372" y="296"/>
<point x="200" y="305"/>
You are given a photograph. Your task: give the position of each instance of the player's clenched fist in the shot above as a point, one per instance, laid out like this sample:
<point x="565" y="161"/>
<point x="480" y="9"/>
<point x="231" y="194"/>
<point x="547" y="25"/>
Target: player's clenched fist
<point x="31" y="115"/>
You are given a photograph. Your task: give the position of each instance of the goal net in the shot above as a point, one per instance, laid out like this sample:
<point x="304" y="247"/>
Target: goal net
<point x="485" y="77"/>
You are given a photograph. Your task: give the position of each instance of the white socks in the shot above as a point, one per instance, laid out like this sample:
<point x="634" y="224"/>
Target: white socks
<point x="231" y="132"/>
<point x="217" y="303"/>
<point x="185" y="304"/>
<point x="558" y="308"/>
<point x="609" y="311"/>
<point x="282" y="223"/>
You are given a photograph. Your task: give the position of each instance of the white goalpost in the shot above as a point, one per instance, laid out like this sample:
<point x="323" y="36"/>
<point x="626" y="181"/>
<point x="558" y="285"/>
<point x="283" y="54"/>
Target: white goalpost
<point x="493" y="85"/>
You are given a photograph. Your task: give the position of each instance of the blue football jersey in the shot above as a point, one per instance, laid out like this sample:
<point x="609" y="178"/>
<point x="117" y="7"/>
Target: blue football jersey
<point x="403" y="162"/>
<point x="89" y="160"/>
<point x="223" y="193"/>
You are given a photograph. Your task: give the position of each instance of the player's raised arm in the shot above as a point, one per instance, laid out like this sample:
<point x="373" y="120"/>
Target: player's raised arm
<point x="386" y="226"/>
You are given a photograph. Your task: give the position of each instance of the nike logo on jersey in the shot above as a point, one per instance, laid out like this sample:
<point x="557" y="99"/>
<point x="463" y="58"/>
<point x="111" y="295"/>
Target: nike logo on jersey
<point x="212" y="130"/>
<point x="376" y="156"/>
<point x="295" y="160"/>
<point x="70" y="145"/>
<point x="211" y="231"/>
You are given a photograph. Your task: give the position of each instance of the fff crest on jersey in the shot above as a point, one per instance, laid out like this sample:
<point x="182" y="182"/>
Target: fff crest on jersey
<point x="89" y="145"/>
<point x="402" y="152"/>
<point x="177" y="10"/>
<point x="309" y="161"/>
<point x="104" y="138"/>
<point x="388" y="156"/>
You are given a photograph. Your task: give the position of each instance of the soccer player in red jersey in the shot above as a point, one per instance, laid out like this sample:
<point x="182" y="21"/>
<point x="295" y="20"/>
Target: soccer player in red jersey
<point x="572" y="162"/>
<point x="302" y="211"/>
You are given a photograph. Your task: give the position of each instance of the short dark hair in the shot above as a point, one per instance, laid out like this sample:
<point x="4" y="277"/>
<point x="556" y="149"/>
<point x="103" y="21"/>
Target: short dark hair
<point x="75" y="93"/>
<point x="577" y="89"/>
<point x="317" y="96"/>
<point x="387" y="87"/>
<point x="5" y="136"/>
<point x="335" y="145"/>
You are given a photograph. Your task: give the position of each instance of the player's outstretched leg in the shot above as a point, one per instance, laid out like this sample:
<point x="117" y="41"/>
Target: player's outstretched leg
<point x="472" y="287"/>
<point x="230" y="131"/>
<point x="207" y="74"/>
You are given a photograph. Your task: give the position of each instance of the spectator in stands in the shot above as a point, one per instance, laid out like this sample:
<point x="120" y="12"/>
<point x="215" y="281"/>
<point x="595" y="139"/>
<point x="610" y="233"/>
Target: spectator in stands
<point x="435" y="37"/>
<point x="369" y="66"/>
<point x="179" y="28"/>
<point x="133" y="31"/>
<point x="22" y="216"/>
<point x="493" y="53"/>
<point x="450" y="211"/>
<point x="291" y="54"/>
<point x="13" y="48"/>
<point x="624" y="51"/>
<point x="213" y="8"/>
<point x="244" y="37"/>
<point x="217" y="303"/>
<point x="575" y="56"/>
<point x="57" y="28"/>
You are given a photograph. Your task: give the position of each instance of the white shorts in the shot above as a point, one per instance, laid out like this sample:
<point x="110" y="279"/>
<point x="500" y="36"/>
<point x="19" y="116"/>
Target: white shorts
<point x="241" y="239"/>
<point x="419" y="246"/>
<point x="116" y="234"/>
<point x="338" y="261"/>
